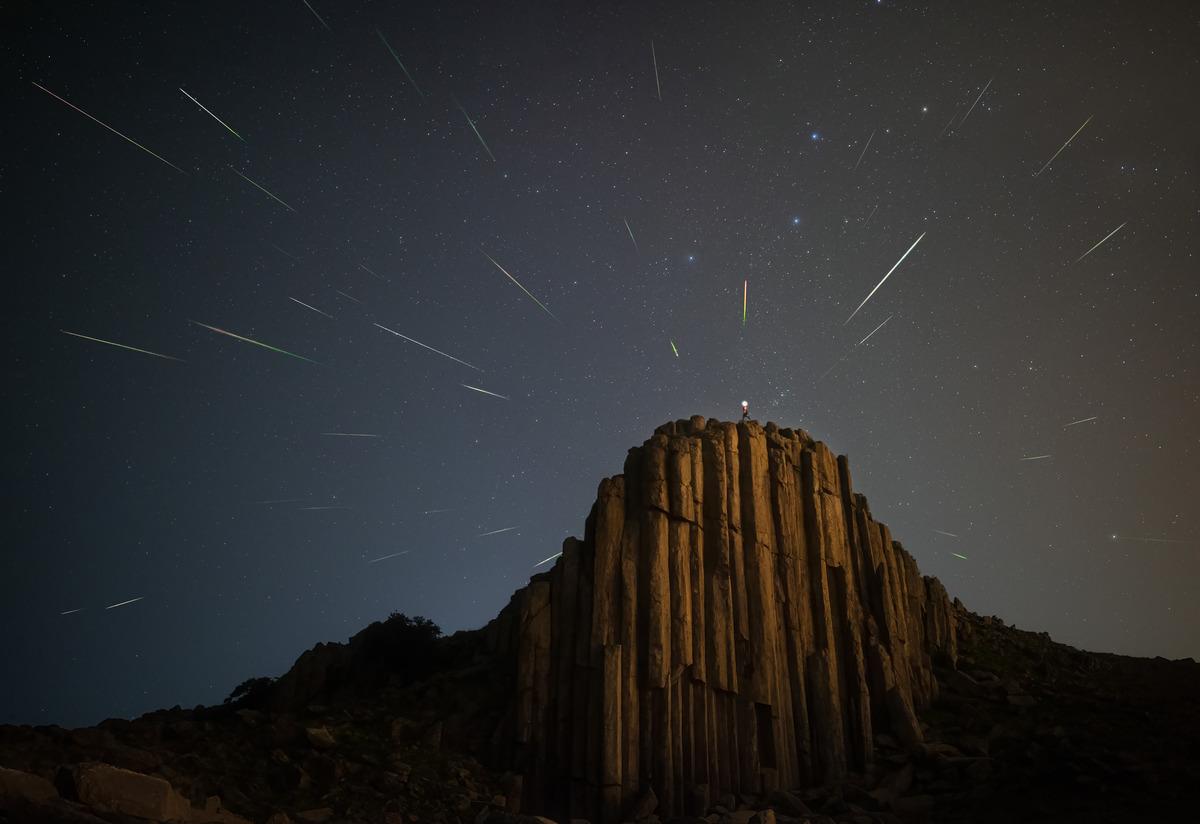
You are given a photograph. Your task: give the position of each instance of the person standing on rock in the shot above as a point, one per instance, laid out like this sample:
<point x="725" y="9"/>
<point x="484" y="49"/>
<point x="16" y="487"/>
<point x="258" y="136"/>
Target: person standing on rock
<point x="745" y="410"/>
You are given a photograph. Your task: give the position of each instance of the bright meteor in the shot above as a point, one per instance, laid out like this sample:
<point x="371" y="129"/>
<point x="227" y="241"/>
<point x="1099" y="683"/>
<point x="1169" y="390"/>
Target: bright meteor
<point x="745" y="298"/>
<point x="885" y="277"/>
<point x="120" y="345"/>
<point x="471" y="123"/>
<point x="430" y="348"/>
<point x="236" y="336"/>
<point x="484" y="391"/>
<point x="547" y="560"/>
<point x="110" y="128"/>
<point x="1101" y="243"/>
<point x="519" y="286"/>
<point x="1065" y="145"/>
<point x="631" y="237"/>
<point x="1082" y="420"/>
<point x="213" y="116"/>
<point x="495" y="532"/>
<point x="315" y="309"/>
<point x="123" y="603"/>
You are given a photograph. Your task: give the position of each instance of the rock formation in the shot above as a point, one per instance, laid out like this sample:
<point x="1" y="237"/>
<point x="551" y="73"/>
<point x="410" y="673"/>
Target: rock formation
<point x="733" y="621"/>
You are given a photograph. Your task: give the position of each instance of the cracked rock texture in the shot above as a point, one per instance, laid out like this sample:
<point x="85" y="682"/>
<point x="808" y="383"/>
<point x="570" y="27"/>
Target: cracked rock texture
<point x="733" y="621"/>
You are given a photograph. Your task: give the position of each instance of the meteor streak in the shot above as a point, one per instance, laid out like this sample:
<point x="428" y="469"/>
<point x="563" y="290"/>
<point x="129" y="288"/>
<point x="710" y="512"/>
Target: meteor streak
<point x="519" y="286"/>
<point x="547" y="560"/>
<point x="885" y="277"/>
<point x="435" y="511"/>
<point x="352" y="434"/>
<point x="976" y="103"/>
<point x="123" y="603"/>
<point x="484" y="391"/>
<point x="1065" y="145"/>
<point x="1083" y="420"/>
<point x="110" y="128"/>
<point x="371" y="271"/>
<point x="947" y="534"/>
<point x="213" y="116"/>
<point x="120" y="345"/>
<point x="315" y="309"/>
<point x="1101" y="243"/>
<point x="348" y="297"/>
<point x="631" y="237"/>
<point x="320" y="508"/>
<point x="496" y="531"/>
<point x="281" y="501"/>
<point x="261" y="189"/>
<point x="71" y="611"/>
<point x="956" y="555"/>
<point x="236" y="336"/>
<point x="864" y="152"/>
<point x="745" y="298"/>
<point x="1036" y="457"/>
<point x="657" y="84"/>
<point x="396" y="57"/>
<point x="673" y="349"/>
<point x="385" y="557"/>
<point x="1150" y="540"/>
<point x="852" y="348"/>
<point x="471" y="123"/>
<point x="873" y="331"/>
<point x="319" y="17"/>
<point x="430" y="348"/>
<point x="873" y="211"/>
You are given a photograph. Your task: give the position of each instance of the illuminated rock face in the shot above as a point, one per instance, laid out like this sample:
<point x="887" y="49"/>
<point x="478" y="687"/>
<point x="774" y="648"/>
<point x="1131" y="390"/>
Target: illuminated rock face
<point x="732" y="621"/>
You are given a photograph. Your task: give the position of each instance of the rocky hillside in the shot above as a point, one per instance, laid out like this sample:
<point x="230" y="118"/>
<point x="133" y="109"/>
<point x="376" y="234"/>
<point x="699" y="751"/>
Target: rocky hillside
<point x="734" y="640"/>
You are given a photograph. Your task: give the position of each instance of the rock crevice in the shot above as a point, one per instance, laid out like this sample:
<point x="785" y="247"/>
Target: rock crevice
<point x="733" y="620"/>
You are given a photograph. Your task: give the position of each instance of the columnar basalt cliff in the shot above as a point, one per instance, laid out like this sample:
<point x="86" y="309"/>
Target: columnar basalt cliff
<point x="733" y="620"/>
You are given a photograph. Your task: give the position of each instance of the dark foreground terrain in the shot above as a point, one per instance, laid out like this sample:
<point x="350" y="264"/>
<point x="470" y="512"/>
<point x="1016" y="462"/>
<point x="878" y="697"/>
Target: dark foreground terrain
<point x="1024" y="730"/>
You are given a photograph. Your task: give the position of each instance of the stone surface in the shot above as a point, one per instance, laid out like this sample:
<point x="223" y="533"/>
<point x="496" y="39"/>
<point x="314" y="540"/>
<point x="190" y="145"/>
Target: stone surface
<point x="111" y="789"/>
<point x="733" y="619"/>
<point x="21" y="786"/>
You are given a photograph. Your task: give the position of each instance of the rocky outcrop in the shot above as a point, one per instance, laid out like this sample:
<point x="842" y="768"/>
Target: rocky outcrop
<point x="733" y="621"/>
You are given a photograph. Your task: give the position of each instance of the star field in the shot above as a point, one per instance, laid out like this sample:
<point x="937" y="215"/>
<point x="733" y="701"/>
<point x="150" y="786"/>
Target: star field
<point x="357" y="168"/>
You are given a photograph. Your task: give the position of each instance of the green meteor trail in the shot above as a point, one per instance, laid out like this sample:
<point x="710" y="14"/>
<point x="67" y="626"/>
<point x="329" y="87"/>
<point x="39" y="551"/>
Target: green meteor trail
<point x="319" y="17"/>
<point x="673" y="349"/>
<point x="396" y="57"/>
<point x="120" y="345"/>
<point x="261" y="189"/>
<point x="213" y="116"/>
<point x="519" y="286"/>
<point x="251" y="340"/>
<point x="471" y="123"/>
<point x="110" y="128"/>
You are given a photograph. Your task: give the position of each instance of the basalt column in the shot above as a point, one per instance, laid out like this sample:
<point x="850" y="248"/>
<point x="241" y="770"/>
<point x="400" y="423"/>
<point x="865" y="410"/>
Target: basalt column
<point x="734" y="620"/>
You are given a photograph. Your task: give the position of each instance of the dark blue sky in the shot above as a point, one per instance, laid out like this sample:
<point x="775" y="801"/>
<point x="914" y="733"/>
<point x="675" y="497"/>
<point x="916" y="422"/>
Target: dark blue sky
<point x="132" y="476"/>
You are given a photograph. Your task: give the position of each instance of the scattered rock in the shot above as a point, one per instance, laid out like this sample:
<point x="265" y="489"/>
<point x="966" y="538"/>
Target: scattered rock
<point x="316" y="816"/>
<point x="320" y="738"/>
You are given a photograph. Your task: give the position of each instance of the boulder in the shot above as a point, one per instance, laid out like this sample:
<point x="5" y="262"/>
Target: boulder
<point x="110" y="789"/>
<point x="320" y="738"/>
<point x="22" y="786"/>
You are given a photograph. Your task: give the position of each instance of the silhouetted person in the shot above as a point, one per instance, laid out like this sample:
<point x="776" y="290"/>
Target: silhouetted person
<point x="745" y="410"/>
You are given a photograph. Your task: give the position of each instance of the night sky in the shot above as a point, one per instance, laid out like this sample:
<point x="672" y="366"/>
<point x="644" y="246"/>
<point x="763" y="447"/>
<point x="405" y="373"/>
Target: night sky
<point x="798" y="149"/>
